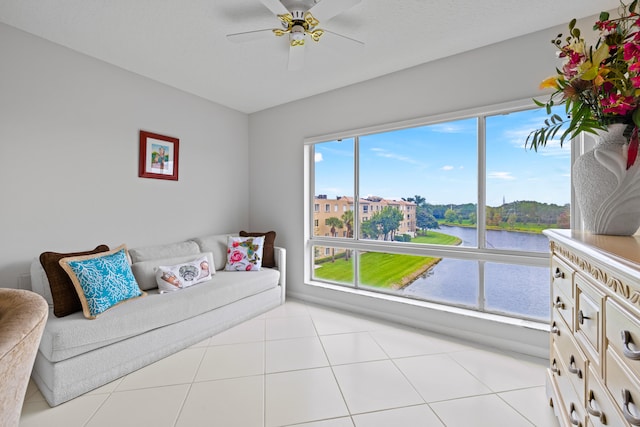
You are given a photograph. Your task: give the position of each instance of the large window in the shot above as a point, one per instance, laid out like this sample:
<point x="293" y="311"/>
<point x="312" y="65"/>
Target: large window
<point x="448" y="211"/>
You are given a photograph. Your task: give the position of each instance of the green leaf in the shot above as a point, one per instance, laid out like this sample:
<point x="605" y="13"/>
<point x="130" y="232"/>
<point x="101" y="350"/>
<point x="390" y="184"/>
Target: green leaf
<point x="604" y="16"/>
<point x="636" y="117"/>
<point x="538" y="103"/>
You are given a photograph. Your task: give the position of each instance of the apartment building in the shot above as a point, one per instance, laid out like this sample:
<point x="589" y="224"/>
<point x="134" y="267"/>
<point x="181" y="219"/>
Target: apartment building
<point x="325" y="208"/>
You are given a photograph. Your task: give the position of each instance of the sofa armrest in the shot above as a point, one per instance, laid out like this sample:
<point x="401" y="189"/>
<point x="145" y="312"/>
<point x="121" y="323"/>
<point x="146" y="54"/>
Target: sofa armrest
<point x="280" y="255"/>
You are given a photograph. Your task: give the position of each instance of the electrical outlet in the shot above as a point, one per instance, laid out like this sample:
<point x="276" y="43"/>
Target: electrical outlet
<point x="24" y="282"/>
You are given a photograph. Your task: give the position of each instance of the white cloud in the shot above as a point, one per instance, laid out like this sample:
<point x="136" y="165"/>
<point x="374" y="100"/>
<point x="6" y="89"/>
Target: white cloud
<point x="518" y="136"/>
<point x="318" y="157"/>
<point x="447" y="128"/>
<point x="501" y="175"/>
<point x="447" y="168"/>
<point x="381" y="152"/>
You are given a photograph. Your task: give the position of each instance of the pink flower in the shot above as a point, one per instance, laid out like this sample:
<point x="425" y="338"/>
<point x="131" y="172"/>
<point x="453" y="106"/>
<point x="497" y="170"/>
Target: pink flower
<point x="249" y="267"/>
<point x="617" y="104"/>
<point x="631" y="51"/>
<point x="236" y="244"/>
<point x="635" y="81"/>
<point x="236" y="256"/>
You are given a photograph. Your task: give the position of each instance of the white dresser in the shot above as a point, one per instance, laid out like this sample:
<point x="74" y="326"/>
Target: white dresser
<point x="594" y="365"/>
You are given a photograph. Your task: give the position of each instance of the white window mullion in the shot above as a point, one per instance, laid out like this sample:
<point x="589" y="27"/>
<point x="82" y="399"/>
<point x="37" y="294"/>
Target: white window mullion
<point x="482" y="183"/>
<point x="356" y="209"/>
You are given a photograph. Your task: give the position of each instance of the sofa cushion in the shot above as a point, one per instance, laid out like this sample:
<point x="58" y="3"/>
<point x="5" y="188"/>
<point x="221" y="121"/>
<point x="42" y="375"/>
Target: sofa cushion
<point x="268" y="256"/>
<point x="145" y="271"/>
<point x="102" y="280"/>
<point x="171" y="278"/>
<point x="169" y="250"/>
<point x="217" y="245"/>
<point x="74" y="335"/>
<point x="244" y="253"/>
<point x="63" y="293"/>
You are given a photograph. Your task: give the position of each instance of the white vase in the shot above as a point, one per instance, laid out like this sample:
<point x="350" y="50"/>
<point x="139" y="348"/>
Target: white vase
<point x="607" y="193"/>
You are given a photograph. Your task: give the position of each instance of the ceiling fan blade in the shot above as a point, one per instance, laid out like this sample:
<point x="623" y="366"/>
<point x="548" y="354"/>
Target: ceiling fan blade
<point x="327" y="9"/>
<point x="275" y="6"/>
<point x="296" y="58"/>
<point x="249" y="36"/>
<point x="340" y="41"/>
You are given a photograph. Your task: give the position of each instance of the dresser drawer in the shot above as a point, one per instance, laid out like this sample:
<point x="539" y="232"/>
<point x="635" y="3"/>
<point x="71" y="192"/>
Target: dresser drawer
<point x="588" y="326"/>
<point x="570" y="404"/>
<point x="562" y="276"/>
<point x="601" y="410"/>
<point x="563" y="305"/>
<point x="623" y="335"/>
<point x="573" y="361"/>
<point x="623" y="387"/>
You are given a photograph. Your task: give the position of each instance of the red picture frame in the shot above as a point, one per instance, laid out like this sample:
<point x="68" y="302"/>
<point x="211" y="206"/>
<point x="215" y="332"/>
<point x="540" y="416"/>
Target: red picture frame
<point x="158" y="156"/>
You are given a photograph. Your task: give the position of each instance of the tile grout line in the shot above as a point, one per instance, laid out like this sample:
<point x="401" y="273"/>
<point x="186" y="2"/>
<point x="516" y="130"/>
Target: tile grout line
<point x="193" y="380"/>
<point x="333" y="373"/>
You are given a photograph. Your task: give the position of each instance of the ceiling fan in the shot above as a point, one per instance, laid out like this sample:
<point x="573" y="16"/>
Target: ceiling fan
<point x="300" y="19"/>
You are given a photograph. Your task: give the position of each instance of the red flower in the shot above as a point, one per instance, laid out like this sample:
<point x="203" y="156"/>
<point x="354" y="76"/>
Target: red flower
<point x="631" y="51"/>
<point x="617" y="104"/>
<point x="249" y="267"/>
<point x="236" y="256"/>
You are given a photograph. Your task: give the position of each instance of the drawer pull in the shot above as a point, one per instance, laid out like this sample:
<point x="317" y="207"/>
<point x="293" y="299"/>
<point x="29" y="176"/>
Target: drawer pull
<point x="582" y="317"/>
<point x="626" y="397"/>
<point x="572" y="367"/>
<point x="554" y="367"/>
<point x="559" y="304"/>
<point x="628" y="352"/>
<point x="554" y="329"/>
<point x="593" y="411"/>
<point x="558" y="274"/>
<point x="574" y="420"/>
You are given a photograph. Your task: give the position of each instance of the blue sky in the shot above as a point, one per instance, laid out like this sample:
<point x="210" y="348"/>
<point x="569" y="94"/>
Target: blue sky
<point x="439" y="162"/>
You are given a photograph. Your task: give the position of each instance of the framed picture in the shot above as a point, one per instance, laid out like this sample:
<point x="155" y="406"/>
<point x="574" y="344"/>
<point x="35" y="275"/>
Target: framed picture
<point x="158" y="156"/>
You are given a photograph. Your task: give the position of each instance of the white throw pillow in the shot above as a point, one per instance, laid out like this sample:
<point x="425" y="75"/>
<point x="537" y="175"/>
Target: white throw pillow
<point x="174" y="277"/>
<point x="244" y="253"/>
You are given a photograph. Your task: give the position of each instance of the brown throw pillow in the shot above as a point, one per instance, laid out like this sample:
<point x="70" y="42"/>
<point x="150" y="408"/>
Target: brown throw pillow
<point x="65" y="297"/>
<point x="268" y="256"/>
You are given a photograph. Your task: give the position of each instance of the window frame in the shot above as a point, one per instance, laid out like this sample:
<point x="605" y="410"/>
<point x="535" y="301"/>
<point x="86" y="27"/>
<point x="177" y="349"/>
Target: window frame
<point x="480" y="254"/>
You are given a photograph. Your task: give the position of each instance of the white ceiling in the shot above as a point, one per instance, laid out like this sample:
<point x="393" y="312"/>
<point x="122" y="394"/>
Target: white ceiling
<point x="182" y="43"/>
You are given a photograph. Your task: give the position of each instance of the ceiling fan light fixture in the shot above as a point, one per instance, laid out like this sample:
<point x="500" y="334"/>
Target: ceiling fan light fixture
<point x="296" y="36"/>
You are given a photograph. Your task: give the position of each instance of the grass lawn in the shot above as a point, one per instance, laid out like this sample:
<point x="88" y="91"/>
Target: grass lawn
<point x="435" y="238"/>
<point x="385" y="270"/>
<point x="518" y="226"/>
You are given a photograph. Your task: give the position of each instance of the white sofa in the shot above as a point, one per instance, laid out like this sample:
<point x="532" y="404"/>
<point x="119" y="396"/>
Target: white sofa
<point x="77" y="355"/>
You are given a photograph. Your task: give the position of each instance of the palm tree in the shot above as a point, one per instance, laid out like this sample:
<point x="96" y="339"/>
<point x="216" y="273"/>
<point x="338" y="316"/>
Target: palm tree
<point x="347" y="219"/>
<point x="334" y="223"/>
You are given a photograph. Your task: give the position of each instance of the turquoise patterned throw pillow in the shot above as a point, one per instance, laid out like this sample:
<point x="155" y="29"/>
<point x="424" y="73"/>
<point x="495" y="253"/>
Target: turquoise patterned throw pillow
<point x="102" y="280"/>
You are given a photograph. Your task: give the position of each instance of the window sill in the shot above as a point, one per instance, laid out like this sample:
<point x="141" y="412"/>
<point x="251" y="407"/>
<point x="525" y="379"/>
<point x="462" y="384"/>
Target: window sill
<point x="504" y="332"/>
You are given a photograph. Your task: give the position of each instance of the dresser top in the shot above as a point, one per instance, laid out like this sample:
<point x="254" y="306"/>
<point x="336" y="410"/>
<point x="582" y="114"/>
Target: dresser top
<point x="624" y="250"/>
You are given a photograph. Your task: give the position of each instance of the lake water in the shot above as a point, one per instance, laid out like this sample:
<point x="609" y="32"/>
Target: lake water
<point x="508" y="288"/>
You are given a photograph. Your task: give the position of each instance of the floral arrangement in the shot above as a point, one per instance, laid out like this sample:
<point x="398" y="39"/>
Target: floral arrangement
<point x="599" y="85"/>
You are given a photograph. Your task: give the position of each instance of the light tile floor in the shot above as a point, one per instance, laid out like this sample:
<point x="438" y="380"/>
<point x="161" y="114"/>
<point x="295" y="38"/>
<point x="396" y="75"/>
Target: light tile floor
<point x="306" y="365"/>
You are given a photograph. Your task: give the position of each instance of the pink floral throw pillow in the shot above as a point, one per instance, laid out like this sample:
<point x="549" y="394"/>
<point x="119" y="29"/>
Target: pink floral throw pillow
<point x="244" y="253"/>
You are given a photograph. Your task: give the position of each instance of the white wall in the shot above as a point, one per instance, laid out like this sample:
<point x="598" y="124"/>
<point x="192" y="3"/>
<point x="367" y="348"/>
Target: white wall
<point x="507" y="71"/>
<point x="69" y="128"/>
